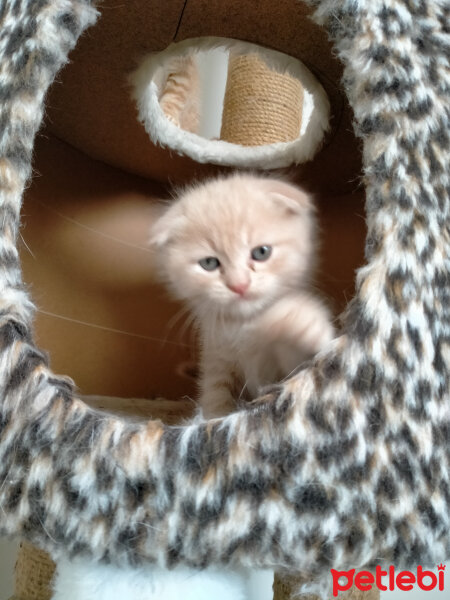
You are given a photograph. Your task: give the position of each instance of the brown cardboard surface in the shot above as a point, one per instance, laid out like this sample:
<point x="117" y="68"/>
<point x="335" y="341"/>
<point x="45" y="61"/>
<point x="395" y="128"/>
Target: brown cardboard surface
<point x="284" y="26"/>
<point x="342" y="231"/>
<point x="103" y="317"/>
<point x="90" y="105"/>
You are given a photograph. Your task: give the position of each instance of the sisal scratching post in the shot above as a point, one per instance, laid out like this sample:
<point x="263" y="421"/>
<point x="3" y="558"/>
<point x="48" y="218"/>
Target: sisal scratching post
<point x="261" y="106"/>
<point x="33" y="574"/>
<point x="285" y="588"/>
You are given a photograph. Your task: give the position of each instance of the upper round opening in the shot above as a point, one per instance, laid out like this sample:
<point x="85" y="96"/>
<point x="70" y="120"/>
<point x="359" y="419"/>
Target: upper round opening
<point x="232" y="103"/>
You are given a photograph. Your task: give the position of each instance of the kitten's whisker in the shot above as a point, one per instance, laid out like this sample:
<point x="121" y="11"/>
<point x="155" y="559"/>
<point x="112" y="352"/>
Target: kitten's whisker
<point x="293" y="372"/>
<point x="173" y="321"/>
<point x="188" y="324"/>
<point x="177" y="316"/>
<point x="241" y="393"/>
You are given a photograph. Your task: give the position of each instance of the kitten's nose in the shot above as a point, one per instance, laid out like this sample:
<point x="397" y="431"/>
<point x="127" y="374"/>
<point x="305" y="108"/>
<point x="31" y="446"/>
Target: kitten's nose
<point x="239" y="288"/>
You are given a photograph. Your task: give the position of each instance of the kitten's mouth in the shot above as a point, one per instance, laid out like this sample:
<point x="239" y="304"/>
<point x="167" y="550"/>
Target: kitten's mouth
<point x="246" y="300"/>
<point x="245" y="306"/>
<point x="242" y="297"/>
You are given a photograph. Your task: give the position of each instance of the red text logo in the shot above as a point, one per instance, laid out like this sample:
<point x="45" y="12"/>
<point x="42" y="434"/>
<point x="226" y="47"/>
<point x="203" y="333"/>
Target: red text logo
<point x="403" y="580"/>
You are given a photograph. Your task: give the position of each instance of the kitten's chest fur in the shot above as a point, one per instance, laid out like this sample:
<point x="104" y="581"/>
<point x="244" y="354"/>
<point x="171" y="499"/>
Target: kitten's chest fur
<point x="242" y="350"/>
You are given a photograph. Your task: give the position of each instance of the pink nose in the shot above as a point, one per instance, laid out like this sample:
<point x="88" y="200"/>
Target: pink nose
<point x="238" y="288"/>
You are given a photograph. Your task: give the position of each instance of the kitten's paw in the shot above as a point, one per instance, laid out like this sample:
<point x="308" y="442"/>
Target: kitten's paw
<point x="214" y="405"/>
<point x="316" y="332"/>
<point x="300" y="319"/>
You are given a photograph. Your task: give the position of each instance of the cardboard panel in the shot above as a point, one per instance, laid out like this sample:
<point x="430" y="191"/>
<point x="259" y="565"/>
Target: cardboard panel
<point x="102" y="315"/>
<point x="284" y="26"/>
<point x="90" y="106"/>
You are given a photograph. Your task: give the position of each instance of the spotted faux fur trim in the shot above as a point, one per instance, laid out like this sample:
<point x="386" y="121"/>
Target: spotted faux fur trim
<point x="347" y="463"/>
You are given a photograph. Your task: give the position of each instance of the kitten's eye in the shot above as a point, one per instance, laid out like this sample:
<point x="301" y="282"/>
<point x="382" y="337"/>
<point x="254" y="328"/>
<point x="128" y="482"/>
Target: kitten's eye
<point x="210" y="263"/>
<point x="261" y="252"/>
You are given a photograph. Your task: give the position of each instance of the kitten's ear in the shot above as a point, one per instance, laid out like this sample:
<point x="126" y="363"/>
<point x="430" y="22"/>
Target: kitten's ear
<point x="294" y="200"/>
<point x="165" y="227"/>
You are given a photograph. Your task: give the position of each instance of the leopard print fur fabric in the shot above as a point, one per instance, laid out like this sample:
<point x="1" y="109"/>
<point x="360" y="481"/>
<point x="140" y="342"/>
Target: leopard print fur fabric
<point x="345" y="464"/>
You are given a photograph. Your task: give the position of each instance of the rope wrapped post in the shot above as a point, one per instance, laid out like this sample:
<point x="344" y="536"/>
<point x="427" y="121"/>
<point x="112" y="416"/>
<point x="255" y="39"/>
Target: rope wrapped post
<point x="33" y="574"/>
<point x="261" y="106"/>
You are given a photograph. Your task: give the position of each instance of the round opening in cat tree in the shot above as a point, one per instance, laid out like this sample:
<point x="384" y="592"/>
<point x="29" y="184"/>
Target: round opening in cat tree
<point x="231" y="103"/>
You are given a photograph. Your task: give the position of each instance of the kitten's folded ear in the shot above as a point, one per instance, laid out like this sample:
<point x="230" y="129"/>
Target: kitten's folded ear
<point x="294" y="200"/>
<point x="165" y="227"/>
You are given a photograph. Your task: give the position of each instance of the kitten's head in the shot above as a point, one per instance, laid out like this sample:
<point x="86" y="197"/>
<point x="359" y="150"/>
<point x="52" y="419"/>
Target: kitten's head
<point x="233" y="245"/>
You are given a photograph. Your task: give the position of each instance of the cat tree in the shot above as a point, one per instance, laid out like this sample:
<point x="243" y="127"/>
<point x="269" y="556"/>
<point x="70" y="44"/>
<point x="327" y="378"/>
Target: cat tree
<point x="347" y="464"/>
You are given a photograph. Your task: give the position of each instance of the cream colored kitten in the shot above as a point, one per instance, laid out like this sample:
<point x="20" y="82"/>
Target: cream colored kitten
<point x="239" y="251"/>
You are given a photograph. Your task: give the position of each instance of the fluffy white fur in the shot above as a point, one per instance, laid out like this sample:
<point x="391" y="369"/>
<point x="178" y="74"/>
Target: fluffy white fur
<point x="147" y="82"/>
<point x="83" y="580"/>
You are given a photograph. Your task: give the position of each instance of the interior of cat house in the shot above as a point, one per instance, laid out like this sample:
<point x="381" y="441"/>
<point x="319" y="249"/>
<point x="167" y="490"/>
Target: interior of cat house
<point x="87" y="216"/>
<point x="156" y="96"/>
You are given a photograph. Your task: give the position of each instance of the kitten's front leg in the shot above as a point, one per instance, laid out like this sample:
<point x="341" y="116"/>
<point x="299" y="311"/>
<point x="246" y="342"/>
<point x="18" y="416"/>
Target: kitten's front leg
<point x="216" y="400"/>
<point x="218" y="386"/>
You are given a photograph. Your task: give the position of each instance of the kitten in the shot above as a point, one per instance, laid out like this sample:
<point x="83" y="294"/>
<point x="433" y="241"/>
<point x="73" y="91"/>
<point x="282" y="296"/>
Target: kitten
<point x="180" y="93"/>
<point x="239" y="251"/>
